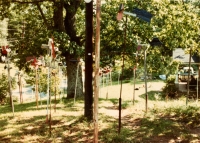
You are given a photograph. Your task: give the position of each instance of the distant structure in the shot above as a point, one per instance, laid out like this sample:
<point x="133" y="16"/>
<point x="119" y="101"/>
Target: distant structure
<point x="180" y="55"/>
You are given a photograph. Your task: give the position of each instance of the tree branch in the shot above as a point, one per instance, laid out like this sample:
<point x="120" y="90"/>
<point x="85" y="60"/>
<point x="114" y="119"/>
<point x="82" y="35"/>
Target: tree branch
<point x="43" y="16"/>
<point x="23" y="1"/>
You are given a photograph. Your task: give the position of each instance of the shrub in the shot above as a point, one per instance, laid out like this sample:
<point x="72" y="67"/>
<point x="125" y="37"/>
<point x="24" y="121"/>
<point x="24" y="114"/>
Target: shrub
<point x="4" y="87"/>
<point x="170" y="89"/>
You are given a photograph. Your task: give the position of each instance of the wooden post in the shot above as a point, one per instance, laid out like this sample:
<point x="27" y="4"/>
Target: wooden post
<point x="97" y="60"/>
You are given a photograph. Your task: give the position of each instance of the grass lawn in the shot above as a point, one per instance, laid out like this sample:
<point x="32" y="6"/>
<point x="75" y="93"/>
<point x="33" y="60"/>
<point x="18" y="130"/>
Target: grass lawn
<point x="165" y="121"/>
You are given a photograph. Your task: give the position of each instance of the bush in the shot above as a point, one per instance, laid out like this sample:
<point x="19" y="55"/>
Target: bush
<point x="4" y="90"/>
<point x="170" y="89"/>
<point x="127" y="74"/>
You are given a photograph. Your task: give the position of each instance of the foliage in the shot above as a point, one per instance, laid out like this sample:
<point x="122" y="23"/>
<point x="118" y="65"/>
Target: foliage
<point x="111" y="136"/>
<point x="3" y="87"/>
<point x="174" y="23"/>
<point x="175" y="20"/>
<point x="127" y="73"/>
<point x="4" y="90"/>
<point x="3" y="32"/>
<point x="169" y="24"/>
<point x="153" y="96"/>
<point x="42" y="80"/>
<point x="188" y="115"/>
<point x="170" y="89"/>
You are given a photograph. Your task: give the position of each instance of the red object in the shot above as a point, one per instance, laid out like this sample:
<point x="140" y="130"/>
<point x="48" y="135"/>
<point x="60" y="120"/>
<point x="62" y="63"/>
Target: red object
<point x="33" y="61"/>
<point x="3" y="50"/>
<point x="119" y="15"/>
<point x="53" y="53"/>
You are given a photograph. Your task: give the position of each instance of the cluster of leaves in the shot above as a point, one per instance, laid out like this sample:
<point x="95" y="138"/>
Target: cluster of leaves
<point x="188" y="115"/>
<point x="3" y="32"/>
<point x="171" y="23"/>
<point x="178" y="23"/>
<point x="4" y="88"/>
<point x="175" y="23"/>
<point x="42" y="80"/>
<point x="170" y="89"/>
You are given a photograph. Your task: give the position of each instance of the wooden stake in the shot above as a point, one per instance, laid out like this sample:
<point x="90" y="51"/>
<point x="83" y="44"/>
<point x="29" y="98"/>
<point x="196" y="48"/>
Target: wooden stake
<point x="97" y="69"/>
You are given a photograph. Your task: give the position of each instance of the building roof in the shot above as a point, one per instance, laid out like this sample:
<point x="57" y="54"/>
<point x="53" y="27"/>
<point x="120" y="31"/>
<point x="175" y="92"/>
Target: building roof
<point x="180" y="55"/>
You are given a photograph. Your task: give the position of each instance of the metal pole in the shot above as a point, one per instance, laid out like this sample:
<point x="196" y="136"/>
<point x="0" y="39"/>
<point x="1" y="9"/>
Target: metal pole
<point x="10" y="86"/>
<point x="20" y="87"/>
<point x="120" y="99"/>
<point x="21" y="84"/>
<point x="133" y="85"/>
<point x="97" y="69"/>
<point x="36" y="87"/>
<point x="100" y="85"/>
<point x="55" y="91"/>
<point x="107" y="83"/>
<point x="50" y="91"/>
<point x="145" y="78"/>
<point x="110" y="77"/>
<point x="118" y="76"/>
<point x="197" y="86"/>
<point x="48" y="76"/>
<point x="103" y="79"/>
<point x="188" y="81"/>
<point x="39" y="88"/>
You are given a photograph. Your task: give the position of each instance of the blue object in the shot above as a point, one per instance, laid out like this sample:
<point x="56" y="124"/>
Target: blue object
<point x="163" y="77"/>
<point x="142" y="14"/>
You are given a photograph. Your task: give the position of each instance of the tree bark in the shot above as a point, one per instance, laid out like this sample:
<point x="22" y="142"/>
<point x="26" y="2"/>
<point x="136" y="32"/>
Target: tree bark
<point x="69" y="21"/>
<point x="68" y="25"/>
<point x="71" y="79"/>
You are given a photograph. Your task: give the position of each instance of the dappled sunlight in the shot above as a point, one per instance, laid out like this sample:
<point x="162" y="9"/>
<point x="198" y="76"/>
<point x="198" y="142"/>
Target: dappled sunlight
<point x="165" y="121"/>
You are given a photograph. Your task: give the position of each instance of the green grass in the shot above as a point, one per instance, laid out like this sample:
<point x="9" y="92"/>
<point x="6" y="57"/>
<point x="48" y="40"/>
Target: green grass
<point x="164" y="121"/>
<point x="154" y="96"/>
<point x="138" y="81"/>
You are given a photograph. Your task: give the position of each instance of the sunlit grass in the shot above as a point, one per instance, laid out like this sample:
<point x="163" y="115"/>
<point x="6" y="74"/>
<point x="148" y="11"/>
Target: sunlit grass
<point x="165" y="120"/>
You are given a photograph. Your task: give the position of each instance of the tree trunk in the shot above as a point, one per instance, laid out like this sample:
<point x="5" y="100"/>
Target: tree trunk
<point x="58" y="17"/>
<point x="68" y="25"/>
<point x="71" y="79"/>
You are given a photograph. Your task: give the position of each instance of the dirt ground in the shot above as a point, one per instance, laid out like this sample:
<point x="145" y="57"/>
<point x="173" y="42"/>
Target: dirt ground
<point x="127" y="90"/>
<point x="127" y="94"/>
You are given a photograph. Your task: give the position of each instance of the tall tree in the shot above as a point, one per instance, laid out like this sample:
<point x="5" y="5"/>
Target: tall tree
<point x="174" y="23"/>
<point x="47" y="18"/>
